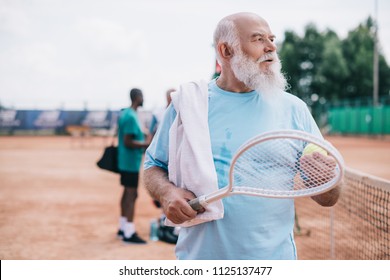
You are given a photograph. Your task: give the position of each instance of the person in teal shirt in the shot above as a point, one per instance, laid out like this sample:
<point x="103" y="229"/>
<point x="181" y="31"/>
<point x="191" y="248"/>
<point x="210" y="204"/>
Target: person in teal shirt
<point x="247" y="99"/>
<point x="131" y="146"/>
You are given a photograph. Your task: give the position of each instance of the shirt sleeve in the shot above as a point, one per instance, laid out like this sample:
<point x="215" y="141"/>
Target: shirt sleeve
<point x="130" y="126"/>
<point x="311" y="125"/>
<point x="157" y="153"/>
<point x="303" y="119"/>
<point x="153" y="124"/>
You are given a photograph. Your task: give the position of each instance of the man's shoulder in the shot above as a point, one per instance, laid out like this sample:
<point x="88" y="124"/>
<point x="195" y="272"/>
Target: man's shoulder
<point x="190" y="93"/>
<point x="127" y="114"/>
<point x="293" y="99"/>
<point x="195" y="82"/>
<point x="193" y="86"/>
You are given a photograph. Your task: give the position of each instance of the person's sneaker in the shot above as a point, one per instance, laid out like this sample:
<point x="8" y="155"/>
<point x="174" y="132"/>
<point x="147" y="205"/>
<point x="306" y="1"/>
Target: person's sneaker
<point x="166" y="234"/>
<point x="120" y="234"/>
<point x="134" y="239"/>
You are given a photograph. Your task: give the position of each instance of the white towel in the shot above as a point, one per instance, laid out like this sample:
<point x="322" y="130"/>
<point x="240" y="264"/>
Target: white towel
<point x="191" y="164"/>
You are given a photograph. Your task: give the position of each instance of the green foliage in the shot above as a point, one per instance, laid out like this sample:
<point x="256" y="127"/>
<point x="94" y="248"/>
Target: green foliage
<point x="321" y="68"/>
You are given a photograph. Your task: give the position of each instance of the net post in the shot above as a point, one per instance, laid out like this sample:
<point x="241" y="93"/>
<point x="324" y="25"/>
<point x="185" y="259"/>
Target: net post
<point x="332" y="245"/>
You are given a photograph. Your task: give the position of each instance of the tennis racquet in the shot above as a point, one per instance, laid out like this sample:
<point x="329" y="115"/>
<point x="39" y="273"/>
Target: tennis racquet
<point x="280" y="164"/>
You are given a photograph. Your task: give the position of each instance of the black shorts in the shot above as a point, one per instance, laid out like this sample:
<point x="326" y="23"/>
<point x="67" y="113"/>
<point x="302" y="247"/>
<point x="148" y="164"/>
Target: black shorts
<point x="129" y="179"/>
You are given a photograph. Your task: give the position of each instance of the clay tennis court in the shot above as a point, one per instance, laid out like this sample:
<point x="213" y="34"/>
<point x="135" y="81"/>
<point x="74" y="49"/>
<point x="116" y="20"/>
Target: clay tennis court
<point x="56" y="204"/>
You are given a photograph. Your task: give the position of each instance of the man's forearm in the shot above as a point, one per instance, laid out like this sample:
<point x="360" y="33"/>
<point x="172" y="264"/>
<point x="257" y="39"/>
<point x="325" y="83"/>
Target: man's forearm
<point x="329" y="198"/>
<point x="157" y="183"/>
<point x="174" y="200"/>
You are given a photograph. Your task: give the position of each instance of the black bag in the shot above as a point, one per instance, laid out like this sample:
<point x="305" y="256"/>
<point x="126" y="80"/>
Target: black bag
<point x="109" y="160"/>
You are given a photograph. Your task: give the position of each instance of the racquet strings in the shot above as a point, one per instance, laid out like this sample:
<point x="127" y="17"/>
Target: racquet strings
<point x="273" y="168"/>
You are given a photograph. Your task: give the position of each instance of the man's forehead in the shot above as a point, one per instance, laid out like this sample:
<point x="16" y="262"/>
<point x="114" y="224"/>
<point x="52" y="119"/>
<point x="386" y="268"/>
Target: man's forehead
<point x="254" y="31"/>
<point x="252" y="26"/>
<point x="257" y="33"/>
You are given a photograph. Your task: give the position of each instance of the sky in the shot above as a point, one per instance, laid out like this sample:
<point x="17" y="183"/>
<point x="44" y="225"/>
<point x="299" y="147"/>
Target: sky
<point x="76" y="54"/>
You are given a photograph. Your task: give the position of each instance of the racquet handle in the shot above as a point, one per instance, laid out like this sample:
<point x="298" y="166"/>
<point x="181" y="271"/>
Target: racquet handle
<point x="204" y="200"/>
<point x="196" y="203"/>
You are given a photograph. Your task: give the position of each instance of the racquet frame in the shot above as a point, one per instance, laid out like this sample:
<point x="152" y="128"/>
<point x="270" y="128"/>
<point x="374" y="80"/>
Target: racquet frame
<point x="204" y="200"/>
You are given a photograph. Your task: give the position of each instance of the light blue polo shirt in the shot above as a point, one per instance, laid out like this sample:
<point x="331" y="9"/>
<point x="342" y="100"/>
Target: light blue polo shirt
<point x="252" y="227"/>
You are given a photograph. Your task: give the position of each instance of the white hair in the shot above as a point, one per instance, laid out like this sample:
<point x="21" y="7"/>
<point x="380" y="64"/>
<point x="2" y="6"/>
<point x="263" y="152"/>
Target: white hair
<point x="226" y="32"/>
<point x="266" y="83"/>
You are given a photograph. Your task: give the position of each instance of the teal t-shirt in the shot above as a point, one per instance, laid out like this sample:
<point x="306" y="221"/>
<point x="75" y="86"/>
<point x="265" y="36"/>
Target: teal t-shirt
<point x="252" y="227"/>
<point x="129" y="159"/>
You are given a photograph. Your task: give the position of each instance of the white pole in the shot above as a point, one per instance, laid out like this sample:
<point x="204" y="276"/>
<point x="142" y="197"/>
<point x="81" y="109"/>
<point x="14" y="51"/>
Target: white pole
<point x="376" y="58"/>
<point x="332" y="239"/>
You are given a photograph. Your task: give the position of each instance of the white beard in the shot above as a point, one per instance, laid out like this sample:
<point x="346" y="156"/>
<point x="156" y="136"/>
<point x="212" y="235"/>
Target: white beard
<point x="266" y="83"/>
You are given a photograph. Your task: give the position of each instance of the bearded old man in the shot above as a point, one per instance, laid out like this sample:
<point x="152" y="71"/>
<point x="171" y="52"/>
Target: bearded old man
<point x="202" y="129"/>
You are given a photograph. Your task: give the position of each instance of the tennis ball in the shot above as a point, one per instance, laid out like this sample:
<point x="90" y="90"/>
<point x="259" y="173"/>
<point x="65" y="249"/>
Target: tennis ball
<point x="311" y="148"/>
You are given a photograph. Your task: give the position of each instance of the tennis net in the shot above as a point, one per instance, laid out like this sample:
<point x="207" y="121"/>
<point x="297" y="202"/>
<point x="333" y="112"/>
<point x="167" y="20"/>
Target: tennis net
<point x="356" y="228"/>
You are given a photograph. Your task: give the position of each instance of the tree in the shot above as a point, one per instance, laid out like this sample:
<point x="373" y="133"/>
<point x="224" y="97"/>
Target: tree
<point x="321" y="68"/>
<point x="358" y="50"/>
<point x="291" y="60"/>
<point x="301" y="58"/>
<point x="332" y="71"/>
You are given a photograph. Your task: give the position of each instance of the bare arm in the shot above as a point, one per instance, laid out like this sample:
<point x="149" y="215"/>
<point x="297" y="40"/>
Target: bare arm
<point x="174" y="200"/>
<point x="329" y="198"/>
<point x="131" y="143"/>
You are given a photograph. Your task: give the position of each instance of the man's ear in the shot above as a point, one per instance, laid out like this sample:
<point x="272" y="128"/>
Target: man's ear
<point x="225" y="51"/>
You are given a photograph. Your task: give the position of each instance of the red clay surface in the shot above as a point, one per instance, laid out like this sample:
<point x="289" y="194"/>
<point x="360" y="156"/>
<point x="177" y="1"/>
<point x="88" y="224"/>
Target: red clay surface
<point x="56" y="204"/>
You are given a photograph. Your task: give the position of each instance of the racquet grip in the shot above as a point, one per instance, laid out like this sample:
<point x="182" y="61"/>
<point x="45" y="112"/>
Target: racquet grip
<point x="196" y="203"/>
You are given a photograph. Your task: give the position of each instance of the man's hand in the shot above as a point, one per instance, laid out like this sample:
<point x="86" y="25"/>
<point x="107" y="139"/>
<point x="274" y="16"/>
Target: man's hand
<point x="176" y="208"/>
<point x="174" y="200"/>
<point x="319" y="169"/>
